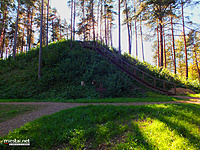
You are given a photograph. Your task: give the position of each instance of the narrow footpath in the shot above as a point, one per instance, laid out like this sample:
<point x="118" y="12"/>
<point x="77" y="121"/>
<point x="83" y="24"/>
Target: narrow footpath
<point x="53" y="107"/>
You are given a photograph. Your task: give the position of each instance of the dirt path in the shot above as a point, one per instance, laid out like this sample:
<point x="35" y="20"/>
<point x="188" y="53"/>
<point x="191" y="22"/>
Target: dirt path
<point x="52" y="107"/>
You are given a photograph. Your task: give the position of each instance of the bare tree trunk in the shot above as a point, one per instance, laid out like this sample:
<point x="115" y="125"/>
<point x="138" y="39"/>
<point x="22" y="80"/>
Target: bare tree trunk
<point x="2" y="37"/>
<point x="97" y="31"/>
<point x="161" y="42"/>
<point x="141" y="36"/>
<point x="197" y="65"/>
<point x="40" y="50"/>
<point x="158" y="51"/>
<point x="186" y="61"/>
<point x="74" y="20"/>
<point x="136" y="43"/>
<point x="22" y="49"/>
<point x="111" y="42"/>
<point x="108" y="35"/>
<point x="84" y="20"/>
<point x="165" y="63"/>
<point x="28" y="27"/>
<point x="173" y="47"/>
<point x="16" y="28"/>
<point x="101" y="21"/>
<point x="47" y="23"/>
<point x="119" y="26"/>
<point x="93" y="20"/>
<point x="136" y="46"/>
<point x="105" y="10"/>
<point x="3" y="43"/>
<point x="128" y="27"/>
<point x="30" y="41"/>
<point x="6" y="53"/>
<point x="53" y="38"/>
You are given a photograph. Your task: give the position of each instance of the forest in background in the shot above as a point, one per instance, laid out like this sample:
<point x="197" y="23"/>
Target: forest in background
<point x="176" y="38"/>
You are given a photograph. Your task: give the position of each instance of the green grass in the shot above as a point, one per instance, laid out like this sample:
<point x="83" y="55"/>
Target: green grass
<point x="166" y="126"/>
<point x="194" y="95"/>
<point x="10" y="111"/>
<point x="63" y="68"/>
<point x="151" y="98"/>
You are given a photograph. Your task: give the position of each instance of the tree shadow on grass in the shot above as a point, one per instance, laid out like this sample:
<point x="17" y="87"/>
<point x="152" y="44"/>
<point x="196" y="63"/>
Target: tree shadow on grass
<point x="88" y="117"/>
<point x="179" y="111"/>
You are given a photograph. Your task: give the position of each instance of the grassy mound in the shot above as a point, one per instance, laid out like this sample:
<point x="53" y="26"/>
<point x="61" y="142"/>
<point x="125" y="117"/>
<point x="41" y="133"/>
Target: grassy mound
<point x="63" y="68"/>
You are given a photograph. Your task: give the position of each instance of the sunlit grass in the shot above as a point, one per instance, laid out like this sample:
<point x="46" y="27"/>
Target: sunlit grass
<point x="166" y="126"/>
<point x="194" y="95"/>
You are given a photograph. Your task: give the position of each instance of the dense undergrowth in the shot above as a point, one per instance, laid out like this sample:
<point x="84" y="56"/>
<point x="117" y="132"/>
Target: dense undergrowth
<point x="158" y="72"/>
<point x="63" y="68"/>
<point x="163" y="74"/>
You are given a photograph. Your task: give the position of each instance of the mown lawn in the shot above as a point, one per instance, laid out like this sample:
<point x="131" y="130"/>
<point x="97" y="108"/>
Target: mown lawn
<point x="165" y="126"/>
<point x="10" y="111"/>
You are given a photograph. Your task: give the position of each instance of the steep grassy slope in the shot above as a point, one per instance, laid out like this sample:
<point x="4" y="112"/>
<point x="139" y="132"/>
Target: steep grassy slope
<point x="162" y="73"/>
<point x="63" y="68"/>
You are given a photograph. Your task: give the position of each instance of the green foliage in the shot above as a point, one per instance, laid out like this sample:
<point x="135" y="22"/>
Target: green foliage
<point x="166" y="126"/>
<point x="10" y="111"/>
<point x="63" y="69"/>
<point x="163" y="74"/>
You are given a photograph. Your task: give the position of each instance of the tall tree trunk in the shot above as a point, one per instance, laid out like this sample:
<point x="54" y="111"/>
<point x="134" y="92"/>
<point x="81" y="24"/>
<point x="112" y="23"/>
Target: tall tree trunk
<point x="31" y="28"/>
<point x="74" y="20"/>
<point x="186" y="61"/>
<point x="1" y="28"/>
<point x="2" y="37"/>
<point x="53" y="37"/>
<point x="136" y="43"/>
<point x="161" y="42"/>
<point x="101" y="14"/>
<point x="111" y="34"/>
<point x="108" y="32"/>
<point x="128" y="27"/>
<point x="16" y="28"/>
<point x="40" y="50"/>
<point x="165" y="64"/>
<point x="28" y="28"/>
<point x="105" y="10"/>
<point x="197" y="65"/>
<point x="84" y="20"/>
<point x="47" y="23"/>
<point x="71" y="21"/>
<point x="158" y="51"/>
<point x="97" y="31"/>
<point x="173" y="47"/>
<point x="119" y="22"/>
<point x="6" y="53"/>
<point x="93" y="20"/>
<point x="3" y="43"/>
<point x="60" y="32"/>
<point x="141" y="37"/>
<point x="22" y="48"/>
